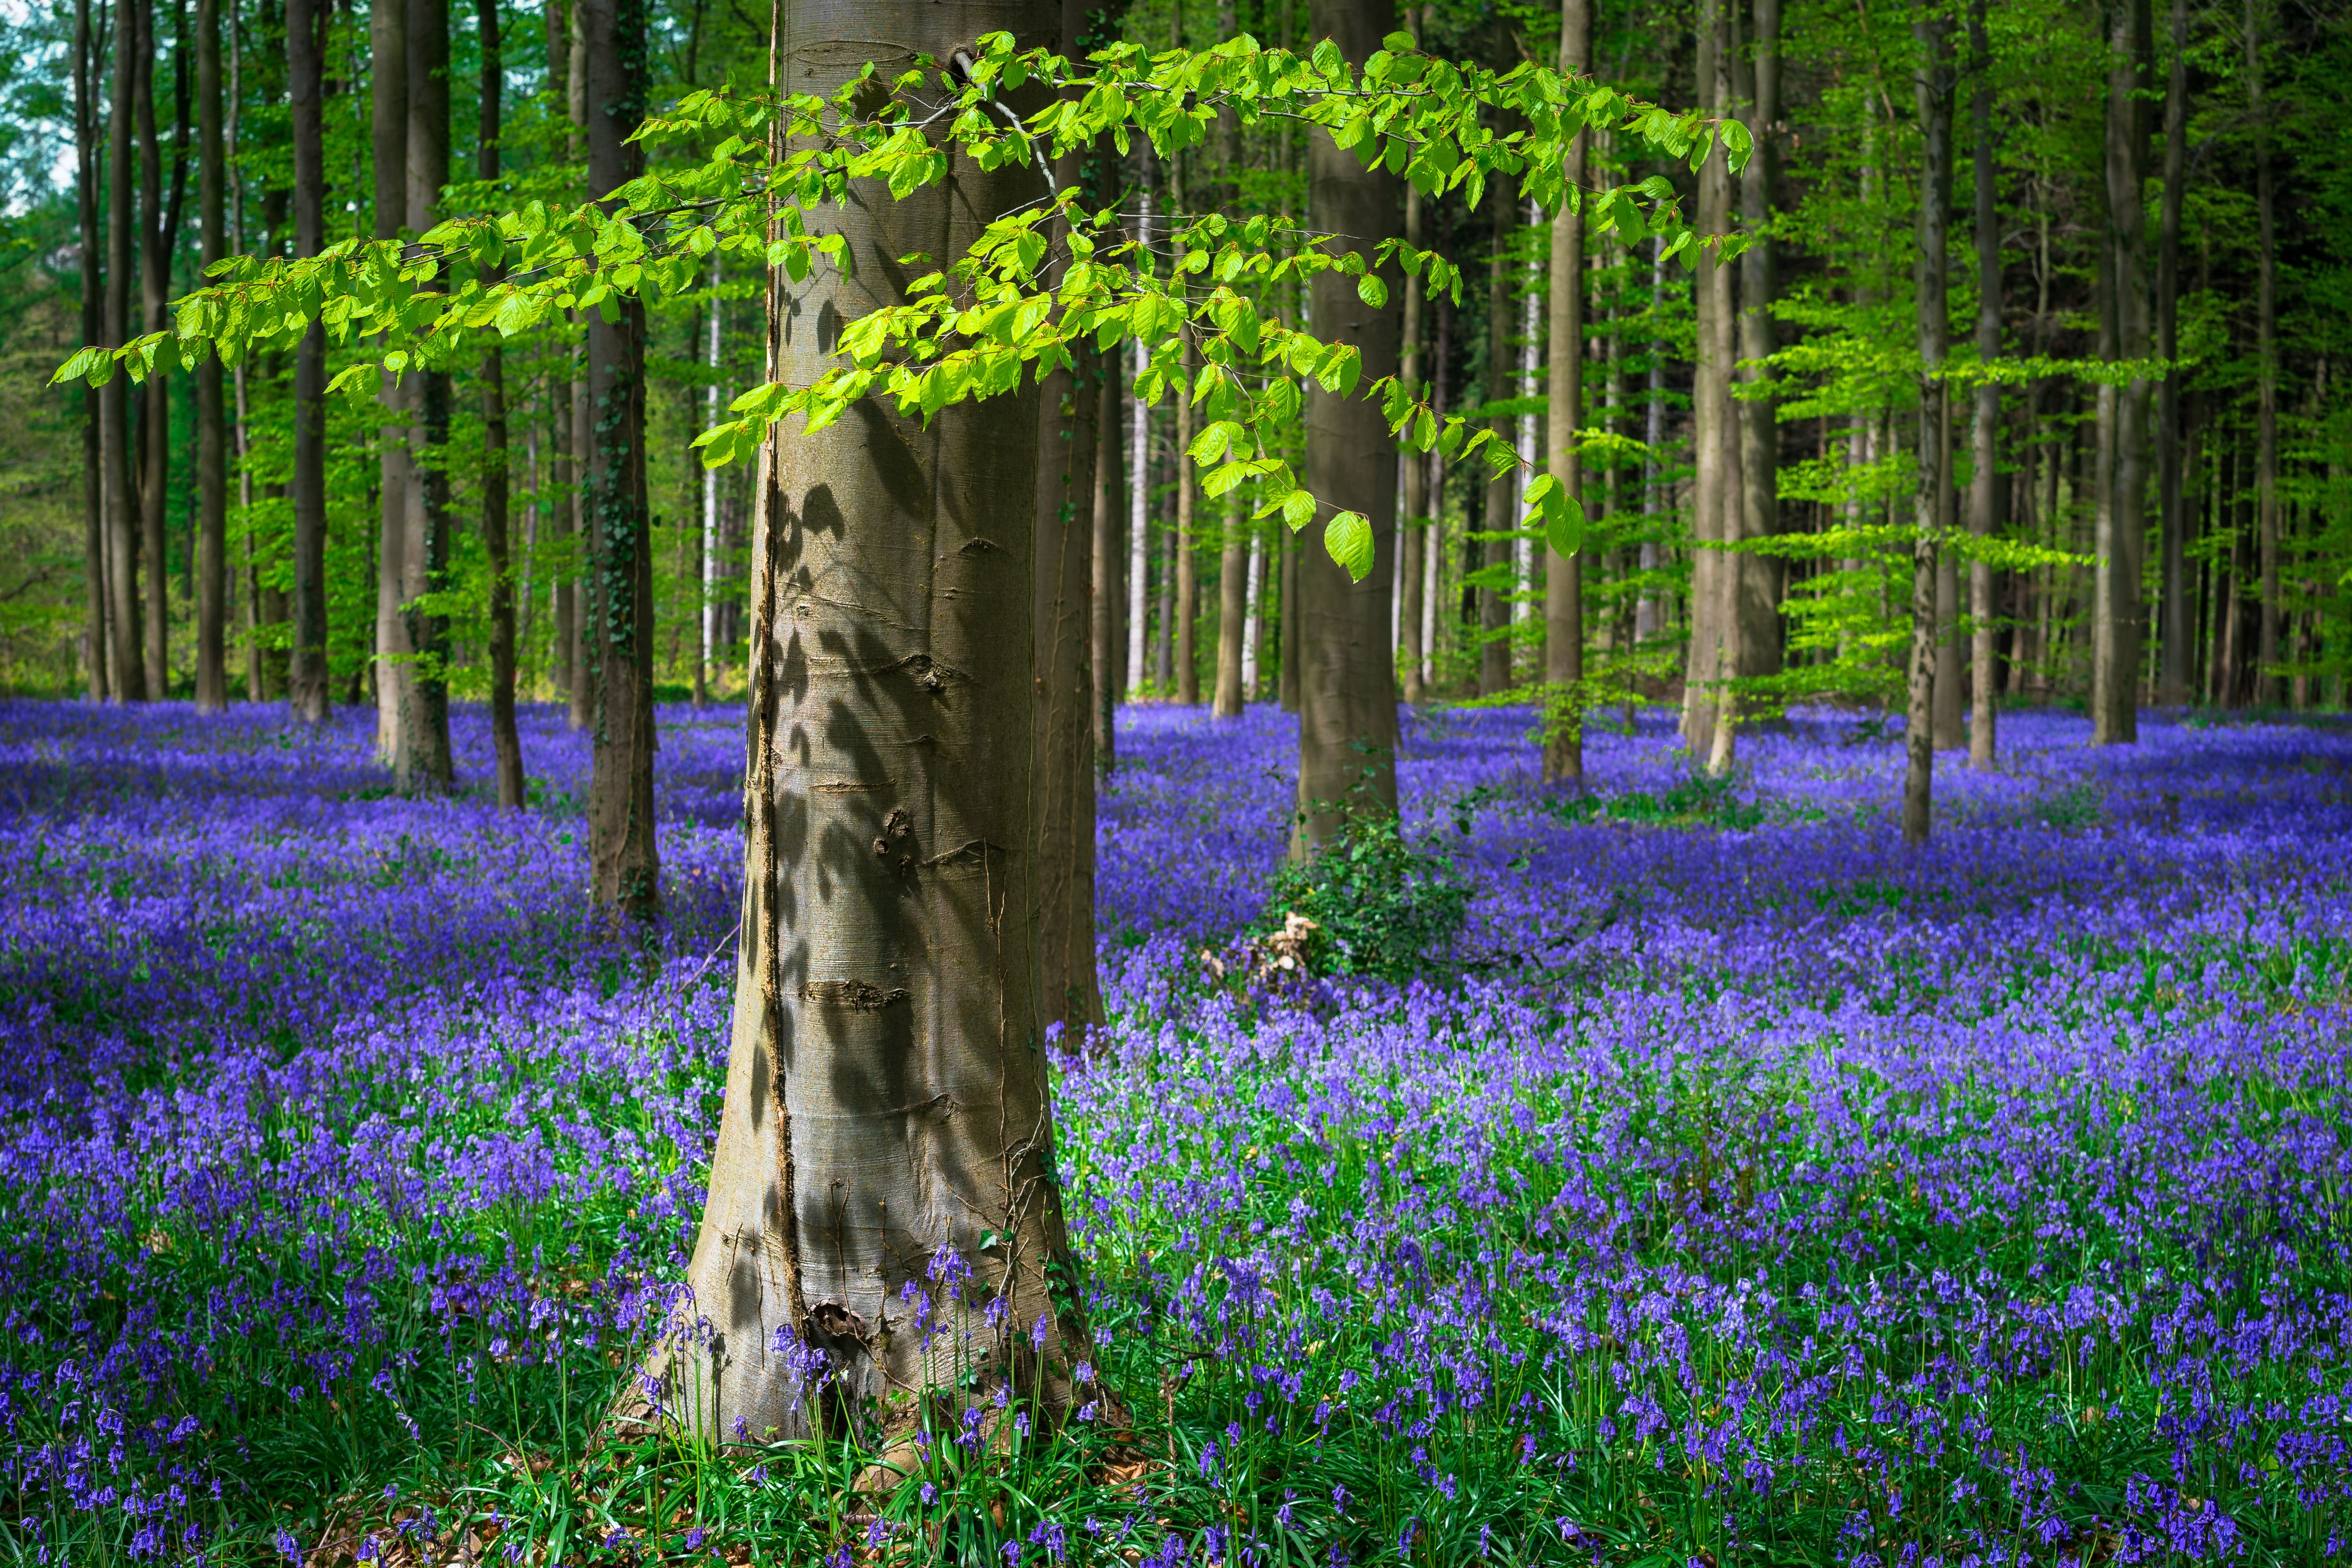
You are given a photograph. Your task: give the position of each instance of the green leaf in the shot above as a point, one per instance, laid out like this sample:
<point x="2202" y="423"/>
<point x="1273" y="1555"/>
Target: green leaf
<point x="1214" y="442"/>
<point x="1348" y="539"/>
<point x="1372" y="292"/>
<point x="1297" y="509"/>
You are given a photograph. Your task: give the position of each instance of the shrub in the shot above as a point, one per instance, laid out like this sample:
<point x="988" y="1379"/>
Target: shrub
<point x="1384" y="906"/>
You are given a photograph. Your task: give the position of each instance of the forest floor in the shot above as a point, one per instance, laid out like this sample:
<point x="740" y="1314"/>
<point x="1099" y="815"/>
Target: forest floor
<point x="1736" y="1186"/>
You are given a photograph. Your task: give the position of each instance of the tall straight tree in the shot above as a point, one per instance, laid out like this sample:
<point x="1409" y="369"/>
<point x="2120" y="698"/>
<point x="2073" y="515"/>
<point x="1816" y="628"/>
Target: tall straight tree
<point x="1232" y="555"/>
<point x="1103" y="639"/>
<point x="1063" y="786"/>
<point x="620" y="637"/>
<point x="1932" y="89"/>
<point x="1416" y="536"/>
<point x="422" y="757"/>
<point x="2174" y="629"/>
<point x="115" y="454"/>
<point x="305" y="70"/>
<point x="87" y="160"/>
<point x="388" y="124"/>
<point x="2268" y="686"/>
<point x="1757" y="614"/>
<point x="1985" y="489"/>
<point x="1347" y="688"/>
<point x="886" y="984"/>
<point x="1502" y="488"/>
<point x="1712" y="652"/>
<point x="505" y="743"/>
<point x="1563" y="752"/>
<point x="155" y="416"/>
<point x="212" y="406"/>
<point x="2115" y="612"/>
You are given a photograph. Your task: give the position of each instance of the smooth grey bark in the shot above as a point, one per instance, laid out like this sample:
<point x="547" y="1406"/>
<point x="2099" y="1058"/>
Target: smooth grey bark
<point x="2267" y="685"/>
<point x="581" y="653"/>
<point x="886" y="1099"/>
<point x="307" y="675"/>
<point x="1069" y="501"/>
<point x="1414" y="539"/>
<point x="89" y="160"/>
<point x="506" y="743"/>
<point x="422" y="757"/>
<point x="1346" y="683"/>
<point x="1985" y="489"/>
<point x="1233" y="555"/>
<point x="555" y="513"/>
<point x="1932" y="89"/>
<point x="1563" y="745"/>
<point x="1713" y="646"/>
<point x="122" y="502"/>
<point x="1495" y="515"/>
<point x="2121" y="545"/>
<point x="1756" y="616"/>
<point x="623" y="864"/>
<point x="2172" y="441"/>
<point x="212" y="408"/>
<point x="155" y="415"/>
<point x="388" y="128"/>
<point x="1103" y="640"/>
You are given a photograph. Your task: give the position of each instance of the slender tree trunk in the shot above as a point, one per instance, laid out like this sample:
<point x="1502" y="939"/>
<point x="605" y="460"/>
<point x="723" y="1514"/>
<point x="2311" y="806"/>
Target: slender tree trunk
<point x="1103" y="570"/>
<point x="89" y="158"/>
<point x="1495" y="559"/>
<point x="1347" y="688"/>
<point x="1414" y="536"/>
<point x="2116" y="625"/>
<point x="423" y="758"/>
<point x="1712" y="646"/>
<point x="887" y="984"/>
<point x="155" y="414"/>
<point x="1287" y="681"/>
<point x="1186" y="616"/>
<point x="2268" y="688"/>
<point x="1233" y="555"/>
<point x="620" y="560"/>
<point x="1139" y="494"/>
<point x="2172" y="681"/>
<point x="130" y="672"/>
<point x="306" y="678"/>
<point x="708" y="630"/>
<point x="505" y="740"/>
<point x="1984" y="484"/>
<point x="588" y="604"/>
<point x="1930" y="278"/>
<point x="1563" y="752"/>
<point x="1756" y="621"/>
<point x="212" y="426"/>
<point x="388" y="122"/>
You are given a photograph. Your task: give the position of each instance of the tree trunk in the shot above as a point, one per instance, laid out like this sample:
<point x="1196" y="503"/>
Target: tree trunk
<point x="1502" y="488"/>
<point x="2268" y="689"/>
<point x="1713" y="647"/>
<point x="1104" y="641"/>
<point x="886" y="1142"/>
<point x="1757" y="620"/>
<point x="212" y="414"/>
<point x="2172" y="680"/>
<point x="1233" y="555"/>
<point x="620" y="554"/>
<point x="423" y="758"/>
<point x="1070" y="991"/>
<point x="1984" y="484"/>
<point x="1931" y="280"/>
<point x="87" y="158"/>
<point x="2115" y="631"/>
<point x="504" y="740"/>
<point x="388" y="123"/>
<point x="155" y="414"/>
<point x="306" y="678"/>
<point x="587" y="602"/>
<point x="1138" y="493"/>
<point x="1413" y="537"/>
<point x="1346" y="686"/>
<point x="1286" y="679"/>
<point x="1563" y="729"/>
<point x="130" y="672"/>
<point x="1186" y="614"/>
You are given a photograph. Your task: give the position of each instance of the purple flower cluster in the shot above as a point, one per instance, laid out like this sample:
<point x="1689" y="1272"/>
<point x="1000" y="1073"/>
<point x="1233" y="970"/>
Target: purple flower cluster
<point x="1777" y="1192"/>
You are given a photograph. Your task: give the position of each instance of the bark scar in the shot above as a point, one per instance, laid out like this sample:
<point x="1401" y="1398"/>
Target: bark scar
<point x="853" y="995"/>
